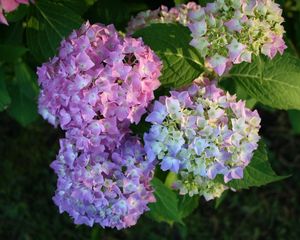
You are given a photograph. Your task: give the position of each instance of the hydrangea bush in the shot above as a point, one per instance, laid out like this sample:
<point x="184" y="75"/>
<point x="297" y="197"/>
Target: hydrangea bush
<point x="99" y="83"/>
<point x="158" y="114"/>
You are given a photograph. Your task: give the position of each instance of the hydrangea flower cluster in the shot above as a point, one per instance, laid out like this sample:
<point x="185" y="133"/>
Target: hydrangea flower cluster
<point x="96" y="75"/>
<point x="225" y="32"/>
<point x="161" y="15"/>
<point x="199" y="133"/>
<point x="98" y="84"/>
<point x="107" y="188"/>
<point x="228" y="32"/>
<point x="7" y="6"/>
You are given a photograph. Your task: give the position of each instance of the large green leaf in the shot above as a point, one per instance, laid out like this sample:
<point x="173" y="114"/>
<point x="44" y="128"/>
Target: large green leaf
<point x="187" y="205"/>
<point x="4" y="95"/>
<point x="117" y="12"/>
<point x="78" y="6"/>
<point x="23" y="107"/>
<point x="48" y="25"/>
<point x="12" y="35"/>
<point x="166" y="206"/>
<point x="26" y="80"/>
<point x="259" y="172"/>
<point x="275" y="83"/>
<point x="11" y="53"/>
<point x="181" y="62"/>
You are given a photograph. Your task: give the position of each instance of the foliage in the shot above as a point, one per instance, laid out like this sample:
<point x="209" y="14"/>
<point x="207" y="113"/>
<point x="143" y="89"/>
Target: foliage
<point x="275" y="83"/>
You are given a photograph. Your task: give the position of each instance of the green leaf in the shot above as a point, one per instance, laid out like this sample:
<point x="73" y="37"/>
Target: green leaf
<point x="4" y="95"/>
<point x="259" y="172"/>
<point x="78" y="6"/>
<point x="241" y="93"/>
<point x="48" y="25"/>
<point x="166" y="206"/>
<point x="106" y="12"/>
<point x="233" y="88"/>
<point x="275" y="83"/>
<point x="24" y="92"/>
<point x="26" y="80"/>
<point x="177" y="2"/>
<point x="294" y="116"/>
<point x="22" y="108"/>
<point x="181" y="62"/>
<point x="12" y="35"/>
<point x="187" y="205"/>
<point x="11" y="53"/>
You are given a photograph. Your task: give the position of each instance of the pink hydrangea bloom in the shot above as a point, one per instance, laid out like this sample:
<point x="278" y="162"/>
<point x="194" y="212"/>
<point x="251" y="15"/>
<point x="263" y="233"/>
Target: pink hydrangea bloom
<point x="161" y="15"/>
<point x="229" y="32"/>
<point x="7" y="6"/>
<point x="98" y="74"/>
<point x="233" y="30"/>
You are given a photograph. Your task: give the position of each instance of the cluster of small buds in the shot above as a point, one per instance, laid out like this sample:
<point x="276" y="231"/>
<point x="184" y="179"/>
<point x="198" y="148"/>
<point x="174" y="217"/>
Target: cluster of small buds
<point x="161" y="15"/>
<point x="108" y="188"/>
<point x="96" y="75"/>
<point x="228" y="32"/>
<point x="7" y="6"/>
<point x="199" y="133"/>
<point x="94" y="89"/>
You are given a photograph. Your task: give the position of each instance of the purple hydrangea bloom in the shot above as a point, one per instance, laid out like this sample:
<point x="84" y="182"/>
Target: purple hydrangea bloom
<point x="206" y="132"/>
<point x="110" y="188"/>
<point x="170" y="163"/>
<point x="158" y="114"/>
